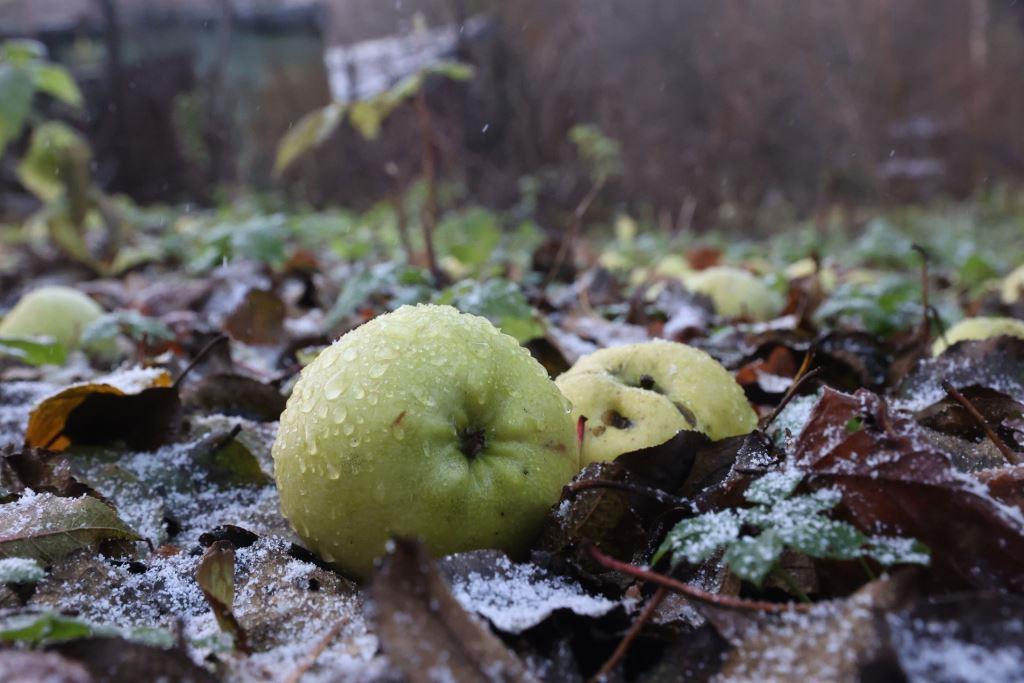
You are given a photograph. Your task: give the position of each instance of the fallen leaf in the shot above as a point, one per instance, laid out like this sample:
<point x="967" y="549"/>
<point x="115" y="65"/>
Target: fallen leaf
<point x="514" y="596"/>
<point x="46" y="528"/>
<point x="258" y="319"/>
<point x="235" y="395"/>
<point x="425" y="632"/>
<point x="895" y="482"/>
<point x="831" y="642"/>
<point x="216" y="578"/>
<point x="116" y="659"/>
<point x="139" y="406"/>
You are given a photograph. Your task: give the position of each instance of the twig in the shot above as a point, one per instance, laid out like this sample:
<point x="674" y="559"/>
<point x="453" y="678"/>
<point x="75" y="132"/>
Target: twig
<point x="1007" y="452"/>
<point x="203" y="352"/>
<point x="634" y="630"/>
<point x="802" y="378"/>
<point x="650" y="492"/>
<point x="314" y="654"/>
<point x="698" y="594"/>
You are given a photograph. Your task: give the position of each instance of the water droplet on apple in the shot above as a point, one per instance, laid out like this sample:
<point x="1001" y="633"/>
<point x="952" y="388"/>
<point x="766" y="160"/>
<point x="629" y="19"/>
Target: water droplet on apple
<point x="353" y="442"/>
<point x="348" y="429"/>
<point x="377" y="370"/>
<point x="372" y="399"/>
<point x="358" y="392"/>
<point x="399" y="432"/>
<point x="348" y="355"/>
<point x="334" y="387"/>
<point x="340" y="414"/>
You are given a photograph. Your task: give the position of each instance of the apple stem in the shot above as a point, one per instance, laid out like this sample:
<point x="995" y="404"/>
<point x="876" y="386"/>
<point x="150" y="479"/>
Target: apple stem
<point x="698" y="594"/>
<point x="801" y="379"/>
<point x="651" y="492"/>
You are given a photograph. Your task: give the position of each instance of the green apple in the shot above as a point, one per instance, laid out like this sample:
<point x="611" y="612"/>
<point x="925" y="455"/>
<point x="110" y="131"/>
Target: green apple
<point x="423" y="422"/>
<point x="978" y="328"/>
<point x="736" y="293"/>
<point x="641" y="395"/>
<point x="1012" y="288"/>
<point x="60" y="313"/>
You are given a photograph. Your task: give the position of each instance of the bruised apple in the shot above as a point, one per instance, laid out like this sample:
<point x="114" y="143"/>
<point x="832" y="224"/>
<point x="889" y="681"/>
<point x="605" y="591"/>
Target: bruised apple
<point x="423" y="422"/>
<point x="979" y="328"/>
<point x="641" y="395"/>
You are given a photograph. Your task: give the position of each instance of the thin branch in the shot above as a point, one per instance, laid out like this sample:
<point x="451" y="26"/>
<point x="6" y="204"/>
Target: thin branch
<point x="802" y="378"/>
<point x="634" y="630"/>
<point x="724" y="601"/>
<point x="1008" y="453"/>
<point x="203" y="353"/>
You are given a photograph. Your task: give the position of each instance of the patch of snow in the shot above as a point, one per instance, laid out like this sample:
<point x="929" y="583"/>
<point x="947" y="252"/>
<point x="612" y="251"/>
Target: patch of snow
<point x="520" y="596"/>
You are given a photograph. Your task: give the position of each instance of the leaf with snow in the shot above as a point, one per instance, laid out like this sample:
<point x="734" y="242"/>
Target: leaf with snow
<point x="425" y="631"/>
<point x="514" y="596"/>
<point x="46" y="528"/>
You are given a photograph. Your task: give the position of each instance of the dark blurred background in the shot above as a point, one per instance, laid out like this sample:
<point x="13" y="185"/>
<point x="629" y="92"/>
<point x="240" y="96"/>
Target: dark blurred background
<point x="718" y="105"/>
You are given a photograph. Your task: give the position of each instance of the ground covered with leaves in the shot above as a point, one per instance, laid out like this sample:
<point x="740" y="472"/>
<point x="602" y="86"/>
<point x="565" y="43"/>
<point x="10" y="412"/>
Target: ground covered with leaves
<point x="871" y="528"/>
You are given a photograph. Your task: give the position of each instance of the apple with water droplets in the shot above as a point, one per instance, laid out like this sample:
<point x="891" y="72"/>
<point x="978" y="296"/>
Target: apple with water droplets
<point x="423" y="422"/>
<point x="641" y="395"/>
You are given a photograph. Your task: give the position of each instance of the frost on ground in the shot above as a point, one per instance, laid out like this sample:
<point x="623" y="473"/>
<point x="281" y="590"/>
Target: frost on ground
<point x="287" y="606"/>
<point x="516" y="597"/>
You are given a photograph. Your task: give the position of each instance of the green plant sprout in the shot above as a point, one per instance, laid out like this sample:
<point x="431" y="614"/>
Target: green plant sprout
<point x="782" y="521"/>
<point x="367" y="116"/>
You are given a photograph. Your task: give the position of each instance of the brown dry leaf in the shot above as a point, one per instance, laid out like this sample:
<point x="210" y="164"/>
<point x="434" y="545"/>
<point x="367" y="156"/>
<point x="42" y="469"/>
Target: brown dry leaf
<point x="258" y="319"/>
<point x="116" y="659"/>
<point x="425" y="632"/>
<point x="894" y="481"/>
<point x="139" y="406"/>
<point x="216" y="578"/>
<point x="830" y="643"/>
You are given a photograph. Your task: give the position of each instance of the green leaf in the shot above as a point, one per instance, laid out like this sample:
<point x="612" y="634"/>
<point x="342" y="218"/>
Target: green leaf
<point x="773" y="487"/>
<point x="698" y="538"/>
<point x="498" y="300"/>
<point x="888" y="550"/>
<point x="35" y="629"/>
<point x="16" y="90"/>
<point x="367" y="116"/>
<point x="34" y="350"/>
<point x="456" y="71"/>
<point x="752" y="558"/>
<point x="312" y="130"/>
<point x="46" y="528"/>
<point x="400" y="283"/>
<point x="471" y="236"/>
<point x="53" y="150"/>
<point x="133" y="324"/>
<point x="56" y="82"/>
<point x="22" y="50"/>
